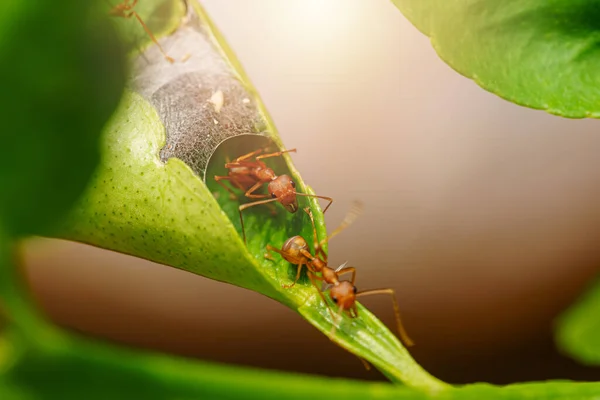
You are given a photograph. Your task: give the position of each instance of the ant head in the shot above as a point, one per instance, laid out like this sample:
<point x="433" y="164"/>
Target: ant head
<point x="343" y="295"/>
<point x="283" y="189"/>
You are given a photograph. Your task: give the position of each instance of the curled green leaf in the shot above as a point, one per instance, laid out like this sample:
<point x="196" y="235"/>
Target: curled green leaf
<point x="541" y="54"/>
<point x="155" y="197"/>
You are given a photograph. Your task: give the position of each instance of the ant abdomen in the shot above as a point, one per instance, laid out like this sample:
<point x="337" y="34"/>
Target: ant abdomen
<point x="293" y="249"/>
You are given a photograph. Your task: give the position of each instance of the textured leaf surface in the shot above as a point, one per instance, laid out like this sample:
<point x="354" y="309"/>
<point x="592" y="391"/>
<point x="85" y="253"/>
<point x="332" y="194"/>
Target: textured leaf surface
<point x="578" y="332"/>
<point x="542" y="54"/>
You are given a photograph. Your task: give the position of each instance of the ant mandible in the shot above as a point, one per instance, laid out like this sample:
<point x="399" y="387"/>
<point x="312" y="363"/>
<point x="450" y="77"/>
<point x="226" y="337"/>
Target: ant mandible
<point x="125" y="9"/>
<point x="249" y="175"/>
<point x="342" y="293"/>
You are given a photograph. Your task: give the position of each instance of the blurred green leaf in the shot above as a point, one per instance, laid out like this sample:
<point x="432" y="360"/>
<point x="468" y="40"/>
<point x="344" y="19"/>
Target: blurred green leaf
<point x="542" y="54"/>
<point x="62" y="71"/>
<point x="578" y="329"/>
<point x="94" y="371"/>
<point x="117" y="373"/>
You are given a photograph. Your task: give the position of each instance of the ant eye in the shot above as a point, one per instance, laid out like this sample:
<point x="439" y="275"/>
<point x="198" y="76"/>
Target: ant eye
<point x="335" y="300"/>
<point x="354" y="289"/>
<point x="273" y="195"/>
<point x="293" y="184"/>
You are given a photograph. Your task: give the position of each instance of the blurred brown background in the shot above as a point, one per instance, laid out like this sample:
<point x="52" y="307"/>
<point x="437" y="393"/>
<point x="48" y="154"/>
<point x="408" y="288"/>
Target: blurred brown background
<point x="483" y="215"/>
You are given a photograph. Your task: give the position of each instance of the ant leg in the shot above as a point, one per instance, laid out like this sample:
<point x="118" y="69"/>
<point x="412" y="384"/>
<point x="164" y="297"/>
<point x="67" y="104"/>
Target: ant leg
<point x="249" y="155"/>
<point x="346" y="270"/>
<point x="337" y="319"/>
<point x="244" y="206"/>
<point x="119" y="9"/>
<point x="316" y="246"/>
<point x="320" y="197"/>
<point x="297" y="277"/>
<point x="270" y="248"/>
<point x="313" y="279"/>
<point x="149" y="32"/>
<point x="253" y="189"/>
<point x="232" y="195"/>
<point x="276" y="154"/>
<point x="403" y="335"/>
<point x="365" y="363"/>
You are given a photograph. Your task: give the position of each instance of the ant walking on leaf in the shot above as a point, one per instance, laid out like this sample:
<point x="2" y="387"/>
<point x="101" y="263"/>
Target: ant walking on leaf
<point x="125" y="9"/>
<point x="342" y="293"/>
<point x="249" y="173"/>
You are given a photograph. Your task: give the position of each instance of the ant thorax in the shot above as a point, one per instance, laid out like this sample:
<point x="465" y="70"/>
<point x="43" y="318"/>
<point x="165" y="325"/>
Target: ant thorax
<point x="329" y="275"/>
<point x="293" y="248"/>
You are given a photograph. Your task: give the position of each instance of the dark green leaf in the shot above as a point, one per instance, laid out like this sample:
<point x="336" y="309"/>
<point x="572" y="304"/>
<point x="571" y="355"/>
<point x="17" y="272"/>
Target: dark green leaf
<point x="542" y="54"/>
<point x="62" y="72"/>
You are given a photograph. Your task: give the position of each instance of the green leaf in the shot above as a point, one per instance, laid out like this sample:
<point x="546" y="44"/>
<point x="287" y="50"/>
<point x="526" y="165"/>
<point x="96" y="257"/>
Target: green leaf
<point x="117" y="373"/>
<point x="45" y="363"/>
<point x="39" y="361"/>
<point x="79" y="369"/>
<point x="146" y="201"/>
<point x="165" y="213"/>
<point x="578" y="328"/>
<point x="542" y="54"/>
<point x="62" y="71"/>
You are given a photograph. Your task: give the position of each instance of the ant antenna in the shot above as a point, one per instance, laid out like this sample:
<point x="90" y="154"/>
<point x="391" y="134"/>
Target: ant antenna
<point x="319" y="197"/>
<point x="315" y="236"/>
<point x="403" y="335"/>
<point x="244" y="206"/>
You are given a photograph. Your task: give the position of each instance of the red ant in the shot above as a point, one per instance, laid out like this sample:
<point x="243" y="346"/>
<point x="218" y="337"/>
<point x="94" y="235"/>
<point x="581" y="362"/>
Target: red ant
<point x="125" y="9"/>
<point x="250" y="175"/>
<point x="342" y="293"/>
